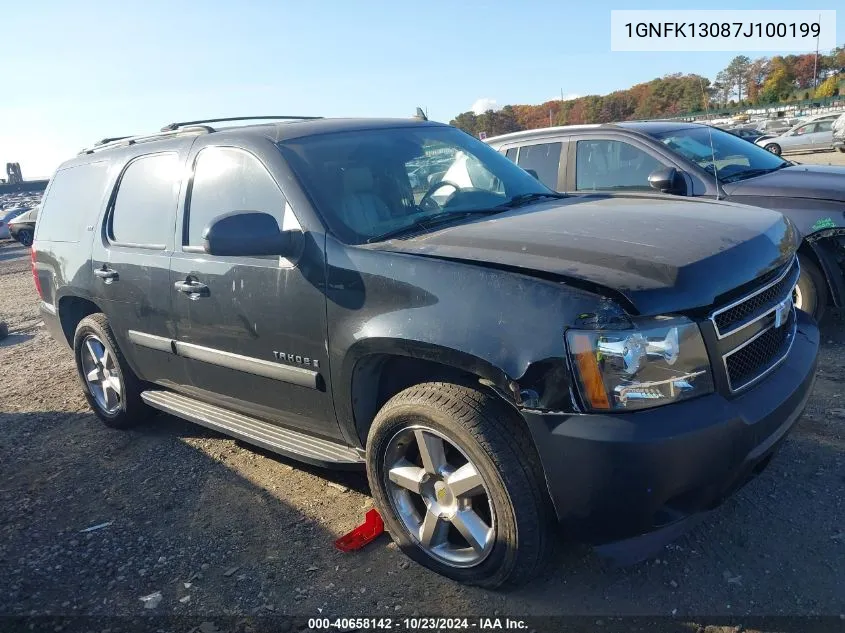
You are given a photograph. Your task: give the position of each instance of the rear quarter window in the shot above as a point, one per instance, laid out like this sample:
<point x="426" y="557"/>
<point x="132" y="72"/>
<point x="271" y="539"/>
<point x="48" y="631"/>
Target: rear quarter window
<point x="74" y="198"/>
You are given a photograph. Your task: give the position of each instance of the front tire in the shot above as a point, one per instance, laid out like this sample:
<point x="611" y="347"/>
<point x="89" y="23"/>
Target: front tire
<point x="810" y="293"/>
<point x="459" y="485"/>
<point x="25" y="237"/>
<point x="109" y="384"/>
<point x="774" y="148"/>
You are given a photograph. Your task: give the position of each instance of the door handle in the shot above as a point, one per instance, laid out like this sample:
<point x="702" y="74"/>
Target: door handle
<point x="193" y="289"/>
<point x="106" y="274"/>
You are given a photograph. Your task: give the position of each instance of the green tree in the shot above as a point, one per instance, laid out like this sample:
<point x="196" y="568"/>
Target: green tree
<point x="735" y="73"/>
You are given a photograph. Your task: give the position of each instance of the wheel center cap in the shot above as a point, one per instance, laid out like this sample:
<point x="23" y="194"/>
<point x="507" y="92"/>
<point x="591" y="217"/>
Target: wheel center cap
<point x="443" y="496"/>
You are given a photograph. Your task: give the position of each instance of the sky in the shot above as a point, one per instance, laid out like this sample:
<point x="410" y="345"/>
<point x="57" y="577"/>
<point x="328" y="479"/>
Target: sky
<point x="76" y="72"/>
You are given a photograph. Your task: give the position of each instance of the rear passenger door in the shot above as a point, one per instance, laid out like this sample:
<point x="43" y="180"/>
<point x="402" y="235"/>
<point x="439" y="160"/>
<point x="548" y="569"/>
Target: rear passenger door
<point x="131" y="261"/>
<point x="253" y="336"/>
<point x="543" y="159"/>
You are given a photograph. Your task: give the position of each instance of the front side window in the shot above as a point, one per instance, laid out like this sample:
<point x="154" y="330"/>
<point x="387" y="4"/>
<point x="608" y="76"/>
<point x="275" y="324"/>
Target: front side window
<point x="146" y="200"/>
<point x="602" y="164"/>
<point x="370" y="183"/>
<point x="543" y="159"/>
<point x="713" y="149"/>
<point x="227" y="179"/>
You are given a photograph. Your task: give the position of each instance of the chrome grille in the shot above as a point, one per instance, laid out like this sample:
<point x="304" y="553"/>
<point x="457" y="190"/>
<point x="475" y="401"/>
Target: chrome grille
<point x="761" y="354"/>
<point x="750" y="308"/>
<point x="761" y="327"/>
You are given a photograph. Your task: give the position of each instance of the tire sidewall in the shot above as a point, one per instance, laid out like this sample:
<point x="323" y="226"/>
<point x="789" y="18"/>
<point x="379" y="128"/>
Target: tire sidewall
<point x="85" y="329"/>
<point x="495" y="568"/>
<point x="813" y="291"/>
<point x="774" y="148"/>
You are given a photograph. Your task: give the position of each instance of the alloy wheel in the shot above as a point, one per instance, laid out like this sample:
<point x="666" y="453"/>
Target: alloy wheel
<point x="101" y="374"/>
<point x="440" y="497"/>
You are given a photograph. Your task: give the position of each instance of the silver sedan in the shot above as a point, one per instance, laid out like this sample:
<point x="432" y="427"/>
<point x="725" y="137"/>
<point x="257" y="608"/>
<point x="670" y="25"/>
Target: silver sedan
<point x="815" y="134"/>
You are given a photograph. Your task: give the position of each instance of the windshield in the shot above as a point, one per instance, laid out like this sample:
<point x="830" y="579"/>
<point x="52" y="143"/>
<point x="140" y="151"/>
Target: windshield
<point x="372" y="183"/>
<point x="735" y="158"/>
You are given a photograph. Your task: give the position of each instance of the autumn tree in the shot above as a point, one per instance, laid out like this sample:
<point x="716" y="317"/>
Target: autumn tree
<point x="779" y="83"/>
<point x="829" y="87"/>
<point x="756" y="74"/>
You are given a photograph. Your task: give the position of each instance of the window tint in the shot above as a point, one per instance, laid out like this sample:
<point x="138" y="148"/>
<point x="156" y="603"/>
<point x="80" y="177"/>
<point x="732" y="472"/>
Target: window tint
<point x="511" y="153"/>
<point x="225" y="180"/>
<point x="146" y="201"/>
<point x="605" y="164"/>
<point x="544" y="159"/>
<point x="73" y="201"/>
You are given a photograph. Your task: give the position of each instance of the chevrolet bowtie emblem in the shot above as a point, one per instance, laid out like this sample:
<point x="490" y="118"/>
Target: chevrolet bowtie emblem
<point x="782" y="310"/>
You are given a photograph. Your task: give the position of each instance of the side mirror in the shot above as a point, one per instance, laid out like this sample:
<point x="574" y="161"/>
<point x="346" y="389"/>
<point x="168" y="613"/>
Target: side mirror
<point x="667" y="180"/>
<point x="248" y="234"/>
<point x="533" y="173"/>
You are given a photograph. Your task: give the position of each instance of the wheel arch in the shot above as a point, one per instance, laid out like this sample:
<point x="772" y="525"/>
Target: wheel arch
<point x="825" y="249"/>
<point x="379" y="369"/>
<point x="71" y="309"/>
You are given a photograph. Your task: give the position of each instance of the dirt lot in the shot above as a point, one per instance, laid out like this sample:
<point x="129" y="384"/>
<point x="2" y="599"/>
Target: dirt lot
<point x="221" y="528"/>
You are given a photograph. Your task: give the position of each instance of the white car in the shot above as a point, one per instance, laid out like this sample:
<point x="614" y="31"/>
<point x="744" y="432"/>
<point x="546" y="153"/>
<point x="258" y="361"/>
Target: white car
<point x="814" y="133"/>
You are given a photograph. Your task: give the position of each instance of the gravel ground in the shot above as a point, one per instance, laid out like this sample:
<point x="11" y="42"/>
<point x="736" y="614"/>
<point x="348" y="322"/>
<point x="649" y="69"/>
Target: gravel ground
<point x="216" y="527"/>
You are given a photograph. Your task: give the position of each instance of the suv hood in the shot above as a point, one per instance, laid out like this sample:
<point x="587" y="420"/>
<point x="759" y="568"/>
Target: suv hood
<point x="662" y="255"/>
<point x="820" y="182"/>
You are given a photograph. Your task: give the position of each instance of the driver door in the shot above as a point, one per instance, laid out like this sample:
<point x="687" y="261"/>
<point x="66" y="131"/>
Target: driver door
<point x="611" y="164"/>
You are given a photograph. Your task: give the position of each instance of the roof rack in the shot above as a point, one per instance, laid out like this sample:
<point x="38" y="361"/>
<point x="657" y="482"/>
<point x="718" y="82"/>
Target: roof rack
<point x="124" y="141"/>
<point x="175" y="126"/>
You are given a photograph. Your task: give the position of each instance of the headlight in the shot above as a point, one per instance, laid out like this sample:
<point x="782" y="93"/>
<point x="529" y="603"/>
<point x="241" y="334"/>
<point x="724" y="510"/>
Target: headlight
<point x="660" y="360"/>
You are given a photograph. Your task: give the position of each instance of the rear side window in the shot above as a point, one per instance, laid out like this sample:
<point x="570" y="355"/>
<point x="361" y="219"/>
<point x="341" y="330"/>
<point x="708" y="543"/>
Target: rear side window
<point x="227" y="179"/>
<point x="511" y="154"/>
<point x="73" y="201"/>
<point x="544" y="159"/>
<point x="146" y="201"/>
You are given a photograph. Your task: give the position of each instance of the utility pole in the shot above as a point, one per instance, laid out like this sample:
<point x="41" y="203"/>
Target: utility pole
<point x="816" y="60"/>
<point x="550" y="117"/>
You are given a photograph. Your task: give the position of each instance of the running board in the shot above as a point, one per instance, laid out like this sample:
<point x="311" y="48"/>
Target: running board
<point x="274" y="438"/>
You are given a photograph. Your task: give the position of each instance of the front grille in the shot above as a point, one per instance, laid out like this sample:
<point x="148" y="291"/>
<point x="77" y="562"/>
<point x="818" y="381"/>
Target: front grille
<point x="755" y="333"/>
<point x="750" y="362"/>
<point x="748" y="309"/>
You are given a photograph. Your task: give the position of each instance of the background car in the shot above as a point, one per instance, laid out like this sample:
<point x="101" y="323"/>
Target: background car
<point x="815" y="133"/>
<point x="747" y="133"/>
<point x="691" y="159"/>
<point x="5" y="217"/>
<point x="22" y="228"/>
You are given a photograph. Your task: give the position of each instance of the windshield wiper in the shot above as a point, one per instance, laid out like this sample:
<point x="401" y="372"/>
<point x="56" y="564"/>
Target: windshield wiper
<point x="751" y="173"/>
<point x="527" y="198"/>
<point x="431" y="221"/>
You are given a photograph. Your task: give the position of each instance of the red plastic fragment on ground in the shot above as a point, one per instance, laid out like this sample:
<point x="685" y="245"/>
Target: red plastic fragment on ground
<point x="367" y="532"/>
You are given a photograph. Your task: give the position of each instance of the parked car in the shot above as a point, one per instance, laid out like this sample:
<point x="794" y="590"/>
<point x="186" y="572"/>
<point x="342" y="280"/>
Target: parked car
<point x="747" y="133"/>
<point x="678" y="159"/>
<point x="839" y="133"/>
<point x="22" y="228"/>
<point x="815" y="133"/>
<point x="5" y="217"/>
<point x="499" y="358"/>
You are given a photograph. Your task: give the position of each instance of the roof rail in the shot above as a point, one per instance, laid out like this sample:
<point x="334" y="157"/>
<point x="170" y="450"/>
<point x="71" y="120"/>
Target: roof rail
<point x="175" y="126"/>
<point x="124" y="141"/>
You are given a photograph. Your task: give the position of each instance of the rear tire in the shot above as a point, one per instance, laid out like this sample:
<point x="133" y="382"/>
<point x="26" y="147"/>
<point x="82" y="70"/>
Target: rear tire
<point x="810" y="294"/>
<point x="110" y="386"/>
<point x="25" y="237"/>
<point x="774" y="148"/>
<point x="481" y="435"/>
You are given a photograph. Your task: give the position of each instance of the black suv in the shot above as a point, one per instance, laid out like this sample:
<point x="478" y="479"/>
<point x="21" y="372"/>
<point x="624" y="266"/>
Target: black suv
<point x="692" y="159"/>
<point x="500" y="357"/>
